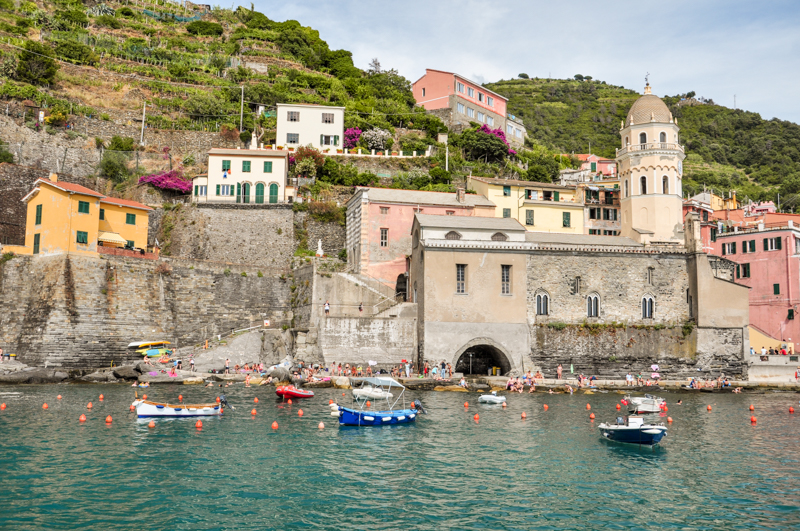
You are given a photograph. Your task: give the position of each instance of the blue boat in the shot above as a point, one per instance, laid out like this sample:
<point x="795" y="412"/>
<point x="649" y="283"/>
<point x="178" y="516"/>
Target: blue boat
<point x="633" y="430"/>
<point x="358" y="416"/>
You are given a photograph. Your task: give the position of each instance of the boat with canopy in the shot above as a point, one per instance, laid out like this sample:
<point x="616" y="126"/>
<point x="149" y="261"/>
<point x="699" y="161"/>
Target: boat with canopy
<point x="363" y="415"/>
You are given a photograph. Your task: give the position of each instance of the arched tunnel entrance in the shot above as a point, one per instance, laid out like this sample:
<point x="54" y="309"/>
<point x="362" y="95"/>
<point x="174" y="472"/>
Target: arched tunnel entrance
<point x="477" y="359"/>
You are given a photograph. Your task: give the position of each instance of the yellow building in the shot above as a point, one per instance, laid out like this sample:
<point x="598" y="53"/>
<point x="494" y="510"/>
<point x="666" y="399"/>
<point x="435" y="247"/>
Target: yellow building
<point x="69" y="218"/>
<point x="539" y="207"/>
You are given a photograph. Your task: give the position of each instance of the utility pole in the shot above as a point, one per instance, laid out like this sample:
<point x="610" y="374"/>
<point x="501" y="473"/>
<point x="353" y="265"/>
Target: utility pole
<point x="141" y="137"/>
<point x="241" y="112"/>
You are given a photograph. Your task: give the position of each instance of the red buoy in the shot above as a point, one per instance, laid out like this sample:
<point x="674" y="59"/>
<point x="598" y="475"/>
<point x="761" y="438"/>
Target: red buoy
<point x="753" y="420"/>
<point x="591" y="416"/>
<point x="180" y="398"/>
<point x="588" y="407"/>
<point x="253" y="412"/>
<point x="669" y="419"/>
<point x="466" y="404"/>
<point x="82" y="418"/>
<point x="300" y="413"/>
<point x="546" y="407"/>
<point x="342" y="394"/>
<point x="619" y="407"/>
<point x="89" y="405"/>
<point x="199" y="424"/>
<point x="524" y="416"/>
<point x="45" y="406"/>
<point x="476" y="417"/>
<point x="666" y="408"/>
<point x="101" y="398"/>
<point x="108" y="419"/>
<point x="275" y="425"/>
<point x="330" y="401"/>
<point x="2" y="406"/>
<point x="504" y="404"/>
<point x="255" y="400"/>
<point x="369" y="403"/>
<point x="151" y="425"/>
<point x="321" y="426"/>
<point x="133" y="407"/>
<point x="144" y="397"/>
<point x="59" y="397"/>
<point x="217" y="400"/>
<point x="708" y="407"/>
<point x="791" y="409"/>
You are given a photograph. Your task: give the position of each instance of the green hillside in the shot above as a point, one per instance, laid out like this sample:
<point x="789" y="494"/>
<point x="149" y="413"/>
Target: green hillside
<point x="726" y="148"/>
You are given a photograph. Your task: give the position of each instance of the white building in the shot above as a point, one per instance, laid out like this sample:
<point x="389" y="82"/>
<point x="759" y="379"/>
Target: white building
<point x="244" y="176"/>
<point x="319" y="125"/>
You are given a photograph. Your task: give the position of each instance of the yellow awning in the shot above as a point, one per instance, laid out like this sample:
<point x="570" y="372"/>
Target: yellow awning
<point x="111" y="237"/>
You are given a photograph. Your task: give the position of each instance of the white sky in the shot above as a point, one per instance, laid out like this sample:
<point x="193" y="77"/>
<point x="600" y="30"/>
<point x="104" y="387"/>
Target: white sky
<point x="717" y="48"/>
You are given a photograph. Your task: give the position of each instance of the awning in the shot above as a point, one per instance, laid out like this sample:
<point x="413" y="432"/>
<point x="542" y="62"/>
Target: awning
<point x="111" y="237"/>
<point x="593" y="188"/>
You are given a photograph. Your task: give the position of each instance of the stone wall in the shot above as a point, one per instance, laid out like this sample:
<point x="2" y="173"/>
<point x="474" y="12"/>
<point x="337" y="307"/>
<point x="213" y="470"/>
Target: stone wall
<point x="331" y="234"/>
<point x="360" y="340"/>
<point x="81" y="312"/>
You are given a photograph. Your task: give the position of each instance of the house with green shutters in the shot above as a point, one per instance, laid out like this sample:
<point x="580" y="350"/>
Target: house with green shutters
<point x="247" y="176"/>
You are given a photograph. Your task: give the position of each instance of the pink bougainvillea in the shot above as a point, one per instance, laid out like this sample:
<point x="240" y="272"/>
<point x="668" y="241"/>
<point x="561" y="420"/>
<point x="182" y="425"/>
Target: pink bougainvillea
<point x="351" y="137"/>
<point x="499" y="134"/>
<point x="168" y="180"/>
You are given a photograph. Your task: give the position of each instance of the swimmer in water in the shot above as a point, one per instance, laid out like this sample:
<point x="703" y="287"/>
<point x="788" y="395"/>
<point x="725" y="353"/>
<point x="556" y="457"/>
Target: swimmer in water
<point x="679" y="402"/>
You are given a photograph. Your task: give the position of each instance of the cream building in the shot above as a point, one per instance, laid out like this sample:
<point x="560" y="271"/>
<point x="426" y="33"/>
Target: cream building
<point x="243" y="176"/>
<point x="318" y="125"/>
<point x="650" y="169"/>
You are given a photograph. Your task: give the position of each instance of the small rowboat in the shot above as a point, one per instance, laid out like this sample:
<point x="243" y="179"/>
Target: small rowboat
<point x="146" y="408"/>
<point x="290" y="391"/>
<point x="492" y="398"/>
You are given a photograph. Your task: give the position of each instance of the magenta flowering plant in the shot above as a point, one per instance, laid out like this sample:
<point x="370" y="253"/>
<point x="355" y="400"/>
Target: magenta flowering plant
<point x="292" y="161"/>
<point x="168" y="180"/>
<point x="351" y="137"/>
<point x="496" y="132"/>
<point x="511" y="151"/>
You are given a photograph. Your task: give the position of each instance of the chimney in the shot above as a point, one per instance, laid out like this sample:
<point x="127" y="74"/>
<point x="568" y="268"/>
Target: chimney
<point x="54" y="177"/>
<point x="461" y="195"/>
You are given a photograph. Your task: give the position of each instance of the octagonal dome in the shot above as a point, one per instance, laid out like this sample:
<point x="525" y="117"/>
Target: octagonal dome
<point x="647" y="108"/>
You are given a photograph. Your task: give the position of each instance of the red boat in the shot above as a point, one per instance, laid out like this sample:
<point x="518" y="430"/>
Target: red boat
<point x="290" y="391"/>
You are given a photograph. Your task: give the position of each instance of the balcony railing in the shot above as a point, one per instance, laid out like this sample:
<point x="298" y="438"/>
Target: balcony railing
<point x="647" y="147"/>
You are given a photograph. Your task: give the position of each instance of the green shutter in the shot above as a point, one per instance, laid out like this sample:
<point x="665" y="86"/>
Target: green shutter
<point x="335" y="140"/>
<point x="752" y="246"/>
<point x="776" y="289"/>
<point x="83" y="207"/>
<point x="38" y="214"/>
<point x="790" y="317"/>
<point x="130" y="219"/>
<point x="738" y="271"/>
<point x="566" y="216"/>
<point x="245" y="166"/>
<point x="102" y="213"/>
<point x="733" y="248"/>
<point x="506" y="191"/>
<point x="766" y="244"/>
<point x="594" y="166"/>
<point x="267" y="166"/>
<point x="195" y="190"/>
<point x="506" y="212"/>
<point x="529" y="217"/>
<point x="82" y="237"/>
<point x="226" y="165"/>
<point x="724" y="249"/>
<point x="217" y="189"/>
<point x="321" y="139"/>
<point x="233" y="190"/>
<point x="778" y="243"/>
<point x="36" y="240"/>
<point x="556" y="196"/>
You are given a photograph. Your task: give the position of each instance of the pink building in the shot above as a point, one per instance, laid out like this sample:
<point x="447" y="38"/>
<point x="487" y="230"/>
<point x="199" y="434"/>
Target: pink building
<point x="707" y="222"/>
<point x="379" y="224"/>
<point x="767" y="257"/>
<point x="459" y="101"/>
<point x="597" y="165"/>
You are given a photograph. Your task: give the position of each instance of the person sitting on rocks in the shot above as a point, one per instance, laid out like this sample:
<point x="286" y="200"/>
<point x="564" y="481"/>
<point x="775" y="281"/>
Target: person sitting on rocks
<point x="533" y="386"/>
<point x="538" y="376"/>
<point x="518" y="385"/>
<point x="266" y="381"/>
<point x="463" y="382"/>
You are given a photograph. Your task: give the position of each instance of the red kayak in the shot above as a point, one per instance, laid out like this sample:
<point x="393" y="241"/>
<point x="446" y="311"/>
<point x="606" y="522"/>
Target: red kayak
<point x="290" y="391"/>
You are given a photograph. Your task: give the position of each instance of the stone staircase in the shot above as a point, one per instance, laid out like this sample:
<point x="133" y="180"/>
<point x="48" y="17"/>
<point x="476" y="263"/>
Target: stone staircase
<point x="385" y="293"/>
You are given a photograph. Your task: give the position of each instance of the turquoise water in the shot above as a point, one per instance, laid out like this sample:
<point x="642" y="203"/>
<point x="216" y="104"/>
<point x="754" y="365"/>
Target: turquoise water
<point x="714" y="471"/>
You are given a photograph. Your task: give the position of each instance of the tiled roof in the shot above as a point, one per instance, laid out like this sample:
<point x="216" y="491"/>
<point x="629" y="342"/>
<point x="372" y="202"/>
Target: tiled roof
<point x="418" y="197"/>
<point x="647" y="107"/>
<point x="525" y="184"/>
<point x="469" y="222"/>
<point x="125" y="203"/>
<point x="580" y="239"/>
<point x="70" y="187"/>
<point x="249" y="152"/>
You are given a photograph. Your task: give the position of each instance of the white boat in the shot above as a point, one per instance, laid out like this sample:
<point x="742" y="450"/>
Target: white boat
<point x="646" y="404"/>
<point x="492" y="398"/>
<point x="147" y="408"/>
<point x="633" y="430"/>
<point x="369" y="391"/>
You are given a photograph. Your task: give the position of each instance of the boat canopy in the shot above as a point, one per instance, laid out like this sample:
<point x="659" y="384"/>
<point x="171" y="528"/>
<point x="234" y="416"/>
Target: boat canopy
<point x="380" y="380"/>
<point x="142" y="344"/>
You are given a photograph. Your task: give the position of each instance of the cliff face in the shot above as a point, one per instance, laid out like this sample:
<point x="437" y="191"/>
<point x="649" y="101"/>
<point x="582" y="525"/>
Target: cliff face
<point x="81" y="312"/>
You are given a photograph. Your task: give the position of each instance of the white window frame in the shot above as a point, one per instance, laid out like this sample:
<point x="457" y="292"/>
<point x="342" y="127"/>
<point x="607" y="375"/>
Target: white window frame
<point x="289" y="138"/>
<point x="293" y="116"/>
<point x="481" y="117"/>
<point x="593" y="305"/>
<point x="470" y="112"/>
<point x="327" y="115"/>
<point x="648" y="307"/>
<point x="470" y="92"/>
<point x="505" y="279"/>
<point x="461" y="279"/>
<point x="490" y="120"/>
<point x="490" y="101"/>
<point x="384" y="237"/>
<point x="460" y="108"/>
<point x="459" y="87"/>
<point x="202" y="189"/>
<point x="480" y="97"/>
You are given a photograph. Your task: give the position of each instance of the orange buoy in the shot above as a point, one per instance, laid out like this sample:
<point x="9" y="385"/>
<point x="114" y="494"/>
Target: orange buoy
<point x="591" y="416"/>
<point x="3" y="405"/>
<point x="619" y="407"/>
<point x="89" y="405"/>
<point x="101" y="398"/>
<point x="413" y="406"/>
<point x="199" y="424"/>
<point x="109" y="419"/>
<point x="275" y="425"/>
<point x="330" y="401"/>
<point x="666" y="408"/>
<point x="504" y="404"/>
<point x="588" y="407"/>
<point x="253" y="412"/>
<point x="144" y="397"/>
<point x="476" y="417"/>
<point x="546" y="407"/>
<point x="82" y="418"/>
<point x="132" y="407"/>
<point x="752" y="408"/>
<point x="217" y="400"/>
<point x="669" y="419"/>
<point x="524" y="415"/>
<point x="255" y="400"/>
<point x="708" y="407"/>
<point x="151" y="425"/>
<point x="369" y="404"/>
<point x="180" y="398"/>
<point x="753" y="420"/>
<point x="45" y="406"/>
<point x="342" y="394"/>
<point x="466" y="404"/>
<point x="321" y="426"/>
<point x="791" y="409"/>
<point x="59" y="397"/>
<point x="300" y="413"/>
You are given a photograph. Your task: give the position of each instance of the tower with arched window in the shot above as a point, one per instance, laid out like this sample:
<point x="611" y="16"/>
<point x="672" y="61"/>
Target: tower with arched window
<point x="651" y="170"/>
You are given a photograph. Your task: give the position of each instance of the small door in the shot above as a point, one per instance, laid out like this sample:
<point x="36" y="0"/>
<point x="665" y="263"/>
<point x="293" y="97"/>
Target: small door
<point x="273" y="193"/>
<point x="260" y="193"/>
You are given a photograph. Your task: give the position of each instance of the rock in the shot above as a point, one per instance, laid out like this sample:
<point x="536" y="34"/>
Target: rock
<point x="456" y="388"/>
<point x="281" y="374"/>
<point x="273" y="347"/>
<point x="36" y="376"/>
<point x="126" y="372"/>
<point x="342" y="382"/>
<point x="193" y="381"/>
<point x="99" y="376"/>
<point x="478" y="387"/>
<point x="318" y="385"/>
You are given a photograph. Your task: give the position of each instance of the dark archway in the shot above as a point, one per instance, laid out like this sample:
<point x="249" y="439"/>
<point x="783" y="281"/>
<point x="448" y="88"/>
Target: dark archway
<point x="401" y="288"/>
<point x="478" y="358"/>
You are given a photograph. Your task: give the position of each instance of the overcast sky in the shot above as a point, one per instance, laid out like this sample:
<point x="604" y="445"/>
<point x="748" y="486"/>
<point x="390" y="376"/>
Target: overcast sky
<point x="717" y="48"/>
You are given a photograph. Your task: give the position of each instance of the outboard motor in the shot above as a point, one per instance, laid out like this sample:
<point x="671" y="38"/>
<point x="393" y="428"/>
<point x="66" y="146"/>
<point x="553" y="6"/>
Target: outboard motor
<point x="418" y="406"/>
<point x="224" y="402"/>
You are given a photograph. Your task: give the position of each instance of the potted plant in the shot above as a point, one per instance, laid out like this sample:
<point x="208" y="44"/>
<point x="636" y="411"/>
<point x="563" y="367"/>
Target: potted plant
<point x="291" y="149"/>
<point x="280" y="147"/>
<point x="339" y="151"/>
<point x="395" y="153"/>
<point x="380" y="153"/>
<point x="354" y="151"/>
<point x="328" y="150"/>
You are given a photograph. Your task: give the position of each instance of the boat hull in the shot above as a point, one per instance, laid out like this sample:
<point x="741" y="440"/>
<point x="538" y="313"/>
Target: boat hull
<point x="293" y="392"/>
<point x="491" y="399"/>
<point x="371" y="393"/>
<point x="355" y="417"/>
<point x="154" y="409"/>
<point x="645" y="435"/>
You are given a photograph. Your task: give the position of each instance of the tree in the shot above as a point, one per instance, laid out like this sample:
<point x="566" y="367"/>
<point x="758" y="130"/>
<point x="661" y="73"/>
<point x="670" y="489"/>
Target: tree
<point x="120" y="143"/>
<point x="524" y="76"/>
<point x="201" y="27"/>
<point x="579" y="77"/>
<point x="80" y="53"/>
<point x="37" y="64"/>
<point x="374" y="66"/>
<point x="478" y="145"/>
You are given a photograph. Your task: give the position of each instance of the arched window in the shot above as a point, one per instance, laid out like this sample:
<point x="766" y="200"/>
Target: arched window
<point x="643" y="138"/>
<point x="273" y="193"/>
<point x="260" y="193"/>
<point x="647" y="307"/>
<point x="626" y="187"/>
<point x="662" y="137"/>
<point x="499" y="237"/>
<point x="665" y="184"/>
<point x="642" y="185"/>
<point x="542" y="304"/>
<point x="593" y="305"/>
<point x="627" y="143"/>
<point x="452" y="235"/>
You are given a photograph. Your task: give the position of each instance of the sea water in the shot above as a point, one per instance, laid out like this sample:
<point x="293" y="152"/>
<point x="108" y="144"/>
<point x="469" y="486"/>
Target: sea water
<point x="714" y="470"/>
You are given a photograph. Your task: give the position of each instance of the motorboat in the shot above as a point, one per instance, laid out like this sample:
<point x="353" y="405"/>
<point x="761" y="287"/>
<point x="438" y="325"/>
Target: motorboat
<point x="645" y="404"/>
<point x="633" y="430"/>
<point x="370" y="392"/>
<point x="491" y="399"/>
<point x="290" y="391"/>
<point x="359" y="416"/>
<point x="147" y="408"/>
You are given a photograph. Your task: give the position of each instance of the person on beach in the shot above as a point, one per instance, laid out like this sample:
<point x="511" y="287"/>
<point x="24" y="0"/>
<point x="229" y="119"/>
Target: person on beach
<point x="558" y="371"/>
<point x="427" y="369"/>
<point x="752" y="351"/>
<point x="533" y="387"/>
<point x="191" y="365"/>
<point x="444" y="366"/>
<point x="408" y="369"/>
<point x="763" y="351"/>
<point x="434" y="372"/>
<point x="227" y="366"/>
<point x="463" y="382"/>
<point x="449" y="371"/>
<point x="510" y="384"/>
<point x="247" y="381"/>
<point x="538" y="376"/>
<point x="629" y="379"/>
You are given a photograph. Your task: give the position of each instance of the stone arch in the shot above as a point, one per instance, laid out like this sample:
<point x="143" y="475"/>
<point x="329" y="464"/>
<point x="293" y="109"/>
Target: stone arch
<point x="401" y="287"/>
<point x="662" y="137"/>
<point x="643" y="138"/>
<point x="486" y="353"/>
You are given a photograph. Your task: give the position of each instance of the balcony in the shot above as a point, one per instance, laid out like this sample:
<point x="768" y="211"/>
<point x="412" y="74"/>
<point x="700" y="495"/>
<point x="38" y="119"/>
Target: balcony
<point x="650" y="147"/>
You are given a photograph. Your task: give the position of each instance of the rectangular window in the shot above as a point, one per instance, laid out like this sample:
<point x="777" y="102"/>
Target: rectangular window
<point x="738" y="271"/>
<point x="489" y="120"/>
<point x="103" y="210"/>
<point x="566" y="220"/>
<point x="480" y="96"/>
<point x="293" y="116"/>
<point x="83" y="207"/>
<point x="227" y="189"/>
<point x="131" y="244"/>
<point x="772" y="244"/>
<point x="327" y="117"/>
<point x="728" y="248"/>
<point x="202" y="190"/>
<point x="506" y="191"/>
<point x="556" y="196"/>
<point x="481" y="117"/>
<point x="705" y="215"/>
<point x="533" y="195"/>
<point x="547" y="196"/>
<point x="776" y="289"/>
<point x="226" y="165"/>
<point x="745" y="270"/>
<point x="292" y="138"/>
<point x="594" y="166"/>
<point x="384" y="237"/>
<point x="470" y="112"/>
<point x="460" y="87"/>
<point x="423" y="92"/>
<point x="130" y="219"/>
<point x="461" y="278"/>
<point x="470" y="92"/>
<point x="529" y="217"/>
<point x="510" y="129"/>
<point x="506" y="212"/>
<point x="593" y="213"/>
<point x="713" y="235"/>
<point x="752" y="246"/>
<point x="450" y="212"/>
<point x="36" y="240"/>
<point x="518" y="133"/>
<point x="39" y="214"/>
<point x="490" y="101"/>
<point x="384" y="210"/>
<point x="267" y="166"/>
<point x="83" y="237"/>
<point x="245" y="166"/>
<point x="218" y="189"/>
<point x="505" y="280"/>
<point x="460" y="108"/>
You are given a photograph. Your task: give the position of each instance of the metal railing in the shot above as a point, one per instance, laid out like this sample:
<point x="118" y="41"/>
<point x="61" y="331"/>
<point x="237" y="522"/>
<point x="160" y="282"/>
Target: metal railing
<point x="649" y="146"/>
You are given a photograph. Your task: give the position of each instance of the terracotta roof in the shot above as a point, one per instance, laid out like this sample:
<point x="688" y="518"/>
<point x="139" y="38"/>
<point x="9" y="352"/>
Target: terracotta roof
<point x="125" y="203"/>
<point x="647" y="107"/>
<point x="579" y="239"/>
<point x="418" y="197"/>
<point x="250" y="152"/>
<point x="70" y="187"/>
<point x="469" y="222"/>
<point x="525" y="184"/>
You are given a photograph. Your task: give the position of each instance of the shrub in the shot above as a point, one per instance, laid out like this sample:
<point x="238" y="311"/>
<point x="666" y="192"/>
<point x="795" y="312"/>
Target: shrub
<point x="260" y="274"/>
<point x="245" y="136"/>
<point x="227" y="272"/>
<point x="201" y="27"/>
<point x="119" y="143"/>
<point x="351" y="137"/>
<point x="114" y="166"/>
<point x="108" y="21"/>
<point x="557" y="326"/>
<point x="228" y="132"/>
<point x="127" y="12"/>
<point x="168" y="180"/>
<point x="80" y="53"/>
<point x="37" y="64"/>
<point x="376" y="138"/>
<point x="343" y="255"/>
<point x="244" y="274"/>
<point x="105" y="117"/>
